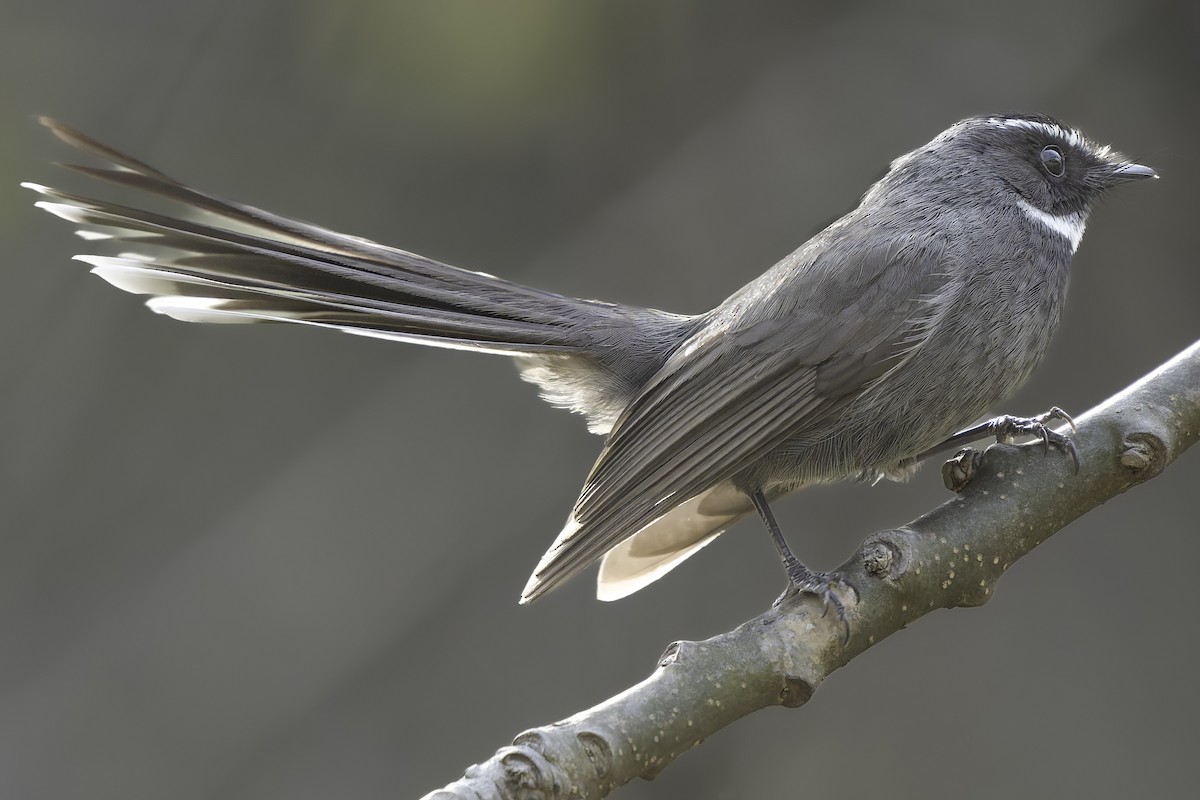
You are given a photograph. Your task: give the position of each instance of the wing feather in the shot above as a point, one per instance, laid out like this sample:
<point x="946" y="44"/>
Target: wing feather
<point x="742" y="390"/>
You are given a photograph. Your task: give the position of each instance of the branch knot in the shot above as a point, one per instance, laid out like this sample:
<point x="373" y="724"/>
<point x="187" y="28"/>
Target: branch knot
<point x="795" y="692"/>
<point x="881" y="558"/>
<point x="1144" y="454"/>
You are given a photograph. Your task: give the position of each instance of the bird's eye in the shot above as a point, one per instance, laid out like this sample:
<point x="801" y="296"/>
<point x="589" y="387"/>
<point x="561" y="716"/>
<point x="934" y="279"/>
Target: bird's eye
<point x="1052" y="160"/>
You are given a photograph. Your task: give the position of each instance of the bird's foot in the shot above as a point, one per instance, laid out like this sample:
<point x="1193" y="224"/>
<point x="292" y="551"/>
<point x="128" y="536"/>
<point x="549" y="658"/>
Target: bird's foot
<point x="1006" y="427"/>
<point x="828" y="587"/>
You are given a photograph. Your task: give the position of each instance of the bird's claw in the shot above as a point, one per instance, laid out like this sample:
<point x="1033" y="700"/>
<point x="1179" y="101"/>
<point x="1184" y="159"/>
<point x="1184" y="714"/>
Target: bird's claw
<point x="1006" y="427"/>
<point x="801" y="580"/>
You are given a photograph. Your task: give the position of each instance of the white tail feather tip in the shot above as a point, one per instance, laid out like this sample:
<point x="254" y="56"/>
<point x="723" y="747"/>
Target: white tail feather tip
<point x="64" y="211"/>
<point x="195" y="309"/>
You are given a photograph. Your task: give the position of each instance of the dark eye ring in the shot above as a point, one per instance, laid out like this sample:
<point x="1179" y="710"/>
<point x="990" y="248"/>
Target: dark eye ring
<point x="1052" y="160"/>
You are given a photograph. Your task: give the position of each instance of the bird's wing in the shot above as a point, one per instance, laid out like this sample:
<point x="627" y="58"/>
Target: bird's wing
<point x="740" y="390"/>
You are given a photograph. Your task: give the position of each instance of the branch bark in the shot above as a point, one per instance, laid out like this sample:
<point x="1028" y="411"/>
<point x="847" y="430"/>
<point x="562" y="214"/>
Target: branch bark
<point x="1009" y="502"/>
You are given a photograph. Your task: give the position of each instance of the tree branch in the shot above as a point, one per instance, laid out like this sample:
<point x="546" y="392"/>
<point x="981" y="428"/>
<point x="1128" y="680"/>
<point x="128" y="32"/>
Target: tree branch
<point x="1010" y="501"/>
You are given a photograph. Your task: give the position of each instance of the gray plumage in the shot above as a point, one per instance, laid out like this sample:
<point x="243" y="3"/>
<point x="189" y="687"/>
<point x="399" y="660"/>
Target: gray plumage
<point x="902" y="322"/>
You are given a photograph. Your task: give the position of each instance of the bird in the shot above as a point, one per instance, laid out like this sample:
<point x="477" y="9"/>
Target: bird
<point x="855" y="357"/>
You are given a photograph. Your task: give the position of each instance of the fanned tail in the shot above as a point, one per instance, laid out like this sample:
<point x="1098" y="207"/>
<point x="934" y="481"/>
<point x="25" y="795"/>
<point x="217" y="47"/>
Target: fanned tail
<point x="230" y="262"/>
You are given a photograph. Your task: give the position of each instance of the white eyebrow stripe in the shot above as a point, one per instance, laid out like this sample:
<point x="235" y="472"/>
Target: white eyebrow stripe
<point x="1068" y="226"/>
<point x="1072" y="137"/>
<point x="1054" y="131"/>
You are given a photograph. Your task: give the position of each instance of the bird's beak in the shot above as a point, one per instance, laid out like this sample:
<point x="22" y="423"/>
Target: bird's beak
<point x="1132" y="172"/>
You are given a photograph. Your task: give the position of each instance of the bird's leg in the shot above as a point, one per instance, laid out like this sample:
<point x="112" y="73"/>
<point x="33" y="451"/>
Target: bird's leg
<point x="800" y="577"/>
<point x="1006" y="427"/>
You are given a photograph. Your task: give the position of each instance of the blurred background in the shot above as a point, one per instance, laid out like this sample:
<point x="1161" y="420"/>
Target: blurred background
<point x="281" y="563"/>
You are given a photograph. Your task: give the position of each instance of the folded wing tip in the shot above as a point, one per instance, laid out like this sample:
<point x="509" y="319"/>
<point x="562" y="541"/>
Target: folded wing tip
<point x="529" y="593"/>
<point x="536" y="586"/>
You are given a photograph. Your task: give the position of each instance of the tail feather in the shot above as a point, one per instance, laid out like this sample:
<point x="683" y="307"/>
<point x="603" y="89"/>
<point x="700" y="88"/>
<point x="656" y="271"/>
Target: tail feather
<point x="250" y="265"/>
<point x="133" y="174"/>
<point x="223" y="261"/>
<point x="185" y="293"/>
<point x="291" y="251"/>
